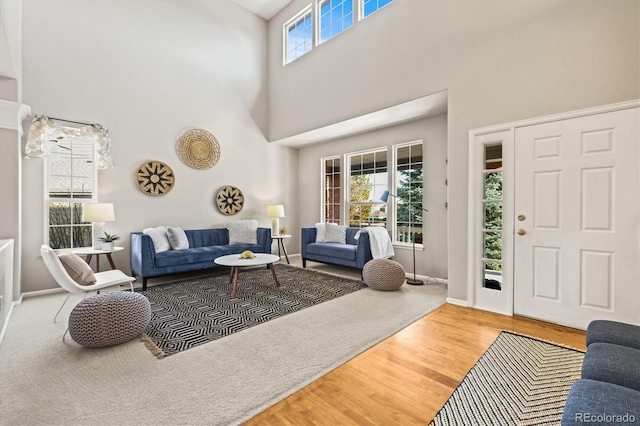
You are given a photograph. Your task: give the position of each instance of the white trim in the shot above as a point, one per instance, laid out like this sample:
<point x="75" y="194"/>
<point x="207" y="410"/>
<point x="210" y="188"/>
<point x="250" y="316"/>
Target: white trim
<point x="458" y="302"/>
<point x="505" y="132"/>
<point x="5" y="327"/>
<point x="41" y="293"/>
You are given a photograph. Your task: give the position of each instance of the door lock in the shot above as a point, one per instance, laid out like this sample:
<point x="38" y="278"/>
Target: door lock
<point x="521" y="231"/>
<point x="521" y="217"/>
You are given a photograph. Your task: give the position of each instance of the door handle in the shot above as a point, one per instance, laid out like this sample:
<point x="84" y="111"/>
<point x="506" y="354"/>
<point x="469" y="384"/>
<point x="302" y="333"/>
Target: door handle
<point x="521" y="231"/>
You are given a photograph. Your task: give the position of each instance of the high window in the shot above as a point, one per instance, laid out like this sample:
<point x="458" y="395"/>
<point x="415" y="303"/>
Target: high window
<point x="368" y="179"/>
<point x="298" y="35"/>
<point x="335" y="16"/>
<point x="370" y="6"/>
<point x="408" y="187"/>
<point x="71" y="180"/>
<point x="331" y="190"/>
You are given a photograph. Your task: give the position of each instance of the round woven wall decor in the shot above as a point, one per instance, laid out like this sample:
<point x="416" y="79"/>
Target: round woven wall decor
<point x="230" y="200"/>
<point x="155" y="178"/>
<point x="198" y="148"/>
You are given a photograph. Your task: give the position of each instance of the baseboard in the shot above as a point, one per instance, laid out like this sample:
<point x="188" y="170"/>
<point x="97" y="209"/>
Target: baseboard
<point x="41" y="292"/>
<point x="458" y="302"/>
<point x="428" y="279"/>
<point x="5" y="327"/>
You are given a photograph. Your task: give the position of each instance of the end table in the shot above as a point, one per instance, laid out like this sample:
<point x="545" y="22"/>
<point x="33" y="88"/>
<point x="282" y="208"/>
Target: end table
<point x="280" y="239"/>
<point x="88" y="252"/>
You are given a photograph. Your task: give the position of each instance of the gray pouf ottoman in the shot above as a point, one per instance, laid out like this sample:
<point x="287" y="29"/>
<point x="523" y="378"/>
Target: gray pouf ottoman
<point x="109" y="319"/>
<point x="383" y="274"/>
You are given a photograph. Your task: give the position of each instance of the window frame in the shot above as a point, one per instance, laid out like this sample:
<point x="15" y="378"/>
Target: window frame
<point x="71" y="200"/>
<point x="297" y="18"/>
<point x="393" y="201"/>
<point x="323" y="181"/>
<point x="318" y="32"/>
<point x="347" y="185"/>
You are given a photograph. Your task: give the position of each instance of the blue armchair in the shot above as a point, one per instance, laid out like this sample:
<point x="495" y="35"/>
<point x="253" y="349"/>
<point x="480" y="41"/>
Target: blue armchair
<point x="354" y="254"/>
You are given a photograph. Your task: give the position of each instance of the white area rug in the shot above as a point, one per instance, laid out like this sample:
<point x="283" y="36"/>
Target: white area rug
<point x="228" y="381"/>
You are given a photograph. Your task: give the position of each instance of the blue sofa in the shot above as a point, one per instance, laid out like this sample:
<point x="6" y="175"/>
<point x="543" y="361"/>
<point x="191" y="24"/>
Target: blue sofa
<point x="609" y="389"/>
<point x="204" y="246"/>
<point x="354" y="254"/>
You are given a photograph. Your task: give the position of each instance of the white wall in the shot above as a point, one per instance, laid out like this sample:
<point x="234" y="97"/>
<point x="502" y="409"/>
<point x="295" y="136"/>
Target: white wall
<point x="149" y="71"/>
<point x="500" y="61"/>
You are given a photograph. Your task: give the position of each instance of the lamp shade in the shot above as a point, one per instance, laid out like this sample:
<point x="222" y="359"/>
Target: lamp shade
<point x="98" y="212"/>
<point x="385" y="196"/>
<point x="275" y="211"/>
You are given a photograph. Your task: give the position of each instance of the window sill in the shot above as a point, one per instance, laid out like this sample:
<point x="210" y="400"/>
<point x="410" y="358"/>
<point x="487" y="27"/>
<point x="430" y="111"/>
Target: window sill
<point x="404" y="246"/>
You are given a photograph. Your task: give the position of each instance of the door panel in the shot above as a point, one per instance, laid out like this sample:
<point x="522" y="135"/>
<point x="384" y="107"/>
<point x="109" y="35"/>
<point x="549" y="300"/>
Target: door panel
<point x="577" y="184"/>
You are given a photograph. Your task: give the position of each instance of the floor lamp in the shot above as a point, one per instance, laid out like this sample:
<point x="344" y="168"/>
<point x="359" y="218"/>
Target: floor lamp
<point x="385" y="198"/>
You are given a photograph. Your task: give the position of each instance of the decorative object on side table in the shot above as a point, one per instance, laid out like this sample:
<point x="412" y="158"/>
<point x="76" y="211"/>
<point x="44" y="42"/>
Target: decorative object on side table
<point x="230" y="200"/>
<point x="385" y="198"/>
<point x="198" y="148"/>
<point x="155" y="178"/>
<point x="275" y="212"/>
<point x="98" y="214"/>
<point x="108" y="241"/>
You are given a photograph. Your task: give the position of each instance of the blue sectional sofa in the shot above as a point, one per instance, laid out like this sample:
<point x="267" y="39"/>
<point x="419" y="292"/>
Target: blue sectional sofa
<point x="354" y="254"/>
<point x="204" y="246"/>
<point x="609" y="390"/>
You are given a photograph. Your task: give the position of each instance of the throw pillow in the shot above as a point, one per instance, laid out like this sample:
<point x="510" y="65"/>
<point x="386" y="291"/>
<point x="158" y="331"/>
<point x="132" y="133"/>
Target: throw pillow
<point x="243" y="232"/>
<point x="159" y="237"/>
<point x="177" y="238"/>
<point x="77" y="268"/>
<point x="336" y="233"/>
<point x="321" y="233"/>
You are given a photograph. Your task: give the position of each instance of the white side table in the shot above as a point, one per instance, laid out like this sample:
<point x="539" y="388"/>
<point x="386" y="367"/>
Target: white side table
<point x="88" y="252"/>
<point x="280" y="239"/>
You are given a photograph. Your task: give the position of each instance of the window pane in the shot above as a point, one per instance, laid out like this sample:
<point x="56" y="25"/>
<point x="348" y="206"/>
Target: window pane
<point x="409" y="191"/>
<point x="492" y="275"/>
<point x="493" y="216"/>
<point x="332" y="187"/>
<point x="370" y="6"/>
<point x="60" y="237"/>
<point x="493" y="245"/>
<point x="82" y="236"/>
<point x="493" y="186"/>
<point x="335" y="17"/>
<point x="298" y="37"/>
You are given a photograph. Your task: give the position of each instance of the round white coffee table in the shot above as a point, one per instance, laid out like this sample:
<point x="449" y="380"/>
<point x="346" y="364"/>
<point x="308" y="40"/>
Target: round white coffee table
<point x="235" y="263"/>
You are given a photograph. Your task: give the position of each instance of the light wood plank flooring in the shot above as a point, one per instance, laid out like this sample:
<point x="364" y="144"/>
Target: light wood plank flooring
<point x="407" y="378"/>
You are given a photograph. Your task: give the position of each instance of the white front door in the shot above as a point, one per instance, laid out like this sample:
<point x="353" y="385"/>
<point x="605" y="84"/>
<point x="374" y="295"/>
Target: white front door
<point x="577" y="219"/>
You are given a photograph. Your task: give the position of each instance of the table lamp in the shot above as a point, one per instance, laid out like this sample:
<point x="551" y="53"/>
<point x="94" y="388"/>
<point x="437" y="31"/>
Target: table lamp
<point x="275" y="212"/>
<point x="98" y="214"/>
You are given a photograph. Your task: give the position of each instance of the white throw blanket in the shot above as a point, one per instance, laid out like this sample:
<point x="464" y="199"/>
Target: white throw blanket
<point x="381" y="246"/>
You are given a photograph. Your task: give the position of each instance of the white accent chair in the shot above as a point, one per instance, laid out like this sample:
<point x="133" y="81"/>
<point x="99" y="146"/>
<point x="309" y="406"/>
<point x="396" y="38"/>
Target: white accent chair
<point x="104" y="279"/>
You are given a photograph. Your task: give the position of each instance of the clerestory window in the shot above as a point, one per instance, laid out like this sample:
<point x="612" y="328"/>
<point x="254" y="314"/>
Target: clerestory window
<point x="298" y="35"/>
<point x="370" y="6"/>
<point x="335" y="16"/>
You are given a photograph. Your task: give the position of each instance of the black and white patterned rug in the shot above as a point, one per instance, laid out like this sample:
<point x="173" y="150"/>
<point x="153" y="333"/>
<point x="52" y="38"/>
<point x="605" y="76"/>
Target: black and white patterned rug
<point x="518" y="381"/>
<point x="189" y="313"/>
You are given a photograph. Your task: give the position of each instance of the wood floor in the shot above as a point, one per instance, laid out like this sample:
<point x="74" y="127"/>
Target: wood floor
<point x="407" y="378"/>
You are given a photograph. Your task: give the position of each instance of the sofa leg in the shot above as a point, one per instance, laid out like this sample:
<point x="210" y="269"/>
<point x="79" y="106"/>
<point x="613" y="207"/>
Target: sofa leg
<point x="144" y="283"/>
<point x="304" y="262"/>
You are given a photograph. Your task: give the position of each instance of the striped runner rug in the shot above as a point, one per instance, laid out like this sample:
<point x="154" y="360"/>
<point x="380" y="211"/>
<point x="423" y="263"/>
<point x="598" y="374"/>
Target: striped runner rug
<point x="518" y="381"/>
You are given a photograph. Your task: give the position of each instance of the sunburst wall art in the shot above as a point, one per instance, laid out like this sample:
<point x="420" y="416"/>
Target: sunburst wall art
<point x="230" y="200"/>
<point x="155" y="178"/>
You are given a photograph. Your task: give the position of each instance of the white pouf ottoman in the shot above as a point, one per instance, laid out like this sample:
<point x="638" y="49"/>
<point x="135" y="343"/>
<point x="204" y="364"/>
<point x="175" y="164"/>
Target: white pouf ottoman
<point x="383" y="274"/>
<point x="109" y="319"/>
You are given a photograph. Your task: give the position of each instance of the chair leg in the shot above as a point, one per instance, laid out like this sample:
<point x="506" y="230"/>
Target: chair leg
<point x="59" y="309"/>
<point x="65" y="334"/>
